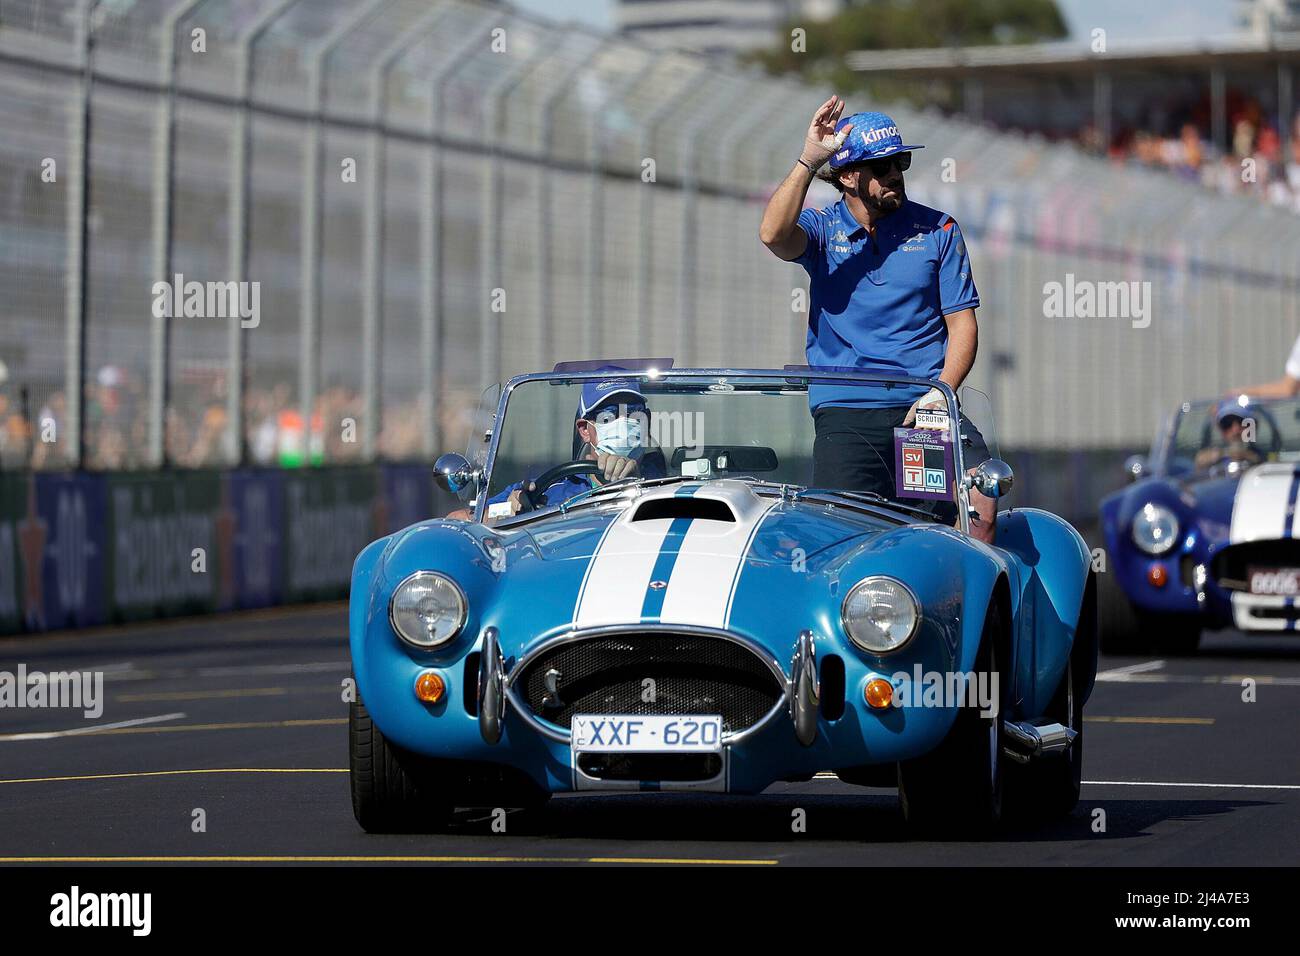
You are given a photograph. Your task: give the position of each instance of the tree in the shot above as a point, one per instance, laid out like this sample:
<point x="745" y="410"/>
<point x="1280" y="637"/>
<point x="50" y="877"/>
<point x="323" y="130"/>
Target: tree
<point x="908" y="24"/>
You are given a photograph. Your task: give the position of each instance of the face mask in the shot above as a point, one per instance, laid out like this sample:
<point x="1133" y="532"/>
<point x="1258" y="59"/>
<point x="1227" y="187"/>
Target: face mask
<point x="619" y="437"/>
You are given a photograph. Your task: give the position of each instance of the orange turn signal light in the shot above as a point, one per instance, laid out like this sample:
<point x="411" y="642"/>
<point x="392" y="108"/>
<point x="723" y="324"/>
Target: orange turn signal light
<point x="1157" y="575"/>
<point x="430" y="687"/>
<point x="879" y="692"/>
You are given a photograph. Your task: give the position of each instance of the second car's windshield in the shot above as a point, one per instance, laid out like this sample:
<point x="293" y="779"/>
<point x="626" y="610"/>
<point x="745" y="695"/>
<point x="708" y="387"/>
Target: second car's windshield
<point x="1215" y="434"/>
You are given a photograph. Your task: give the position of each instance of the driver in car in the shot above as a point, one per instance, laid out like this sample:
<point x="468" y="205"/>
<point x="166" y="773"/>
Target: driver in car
<point x="609" y="431"/>
<point x="1230" y="416"/>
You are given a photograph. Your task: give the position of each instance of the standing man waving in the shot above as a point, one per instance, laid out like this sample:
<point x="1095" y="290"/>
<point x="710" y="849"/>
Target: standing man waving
<point x="891" y="292"/>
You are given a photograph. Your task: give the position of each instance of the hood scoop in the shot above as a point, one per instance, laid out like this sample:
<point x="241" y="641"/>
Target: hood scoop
<point x="698" y="509"/>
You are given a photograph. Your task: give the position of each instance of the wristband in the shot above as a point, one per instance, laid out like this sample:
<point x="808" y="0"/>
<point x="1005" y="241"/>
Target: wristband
<point x="811" y="169"/>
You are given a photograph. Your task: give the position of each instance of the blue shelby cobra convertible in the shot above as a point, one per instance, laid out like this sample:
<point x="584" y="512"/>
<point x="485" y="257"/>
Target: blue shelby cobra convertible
<point x="710" y="620"/>
<point x="1208" y="534"/>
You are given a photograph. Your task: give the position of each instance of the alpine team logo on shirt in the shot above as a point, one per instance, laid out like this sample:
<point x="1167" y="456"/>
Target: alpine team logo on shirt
<point x="914" y="243"/>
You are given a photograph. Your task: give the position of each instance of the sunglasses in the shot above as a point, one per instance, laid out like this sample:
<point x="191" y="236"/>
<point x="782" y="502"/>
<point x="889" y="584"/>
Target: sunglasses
<point x="881" y="167"/>
<point x="608" y="413"/>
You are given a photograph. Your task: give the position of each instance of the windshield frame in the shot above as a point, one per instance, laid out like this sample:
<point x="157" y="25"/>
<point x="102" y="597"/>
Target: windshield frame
<point x="799" y="375"/>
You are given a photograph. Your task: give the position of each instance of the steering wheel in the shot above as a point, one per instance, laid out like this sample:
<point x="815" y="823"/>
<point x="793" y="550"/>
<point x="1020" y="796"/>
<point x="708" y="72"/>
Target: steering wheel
<point x="531" y="500"/>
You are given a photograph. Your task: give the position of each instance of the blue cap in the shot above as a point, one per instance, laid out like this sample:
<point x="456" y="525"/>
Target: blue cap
<point x="597" y="391"/>
<point x="1230" y="407"/>
<point x="874" y="136"/>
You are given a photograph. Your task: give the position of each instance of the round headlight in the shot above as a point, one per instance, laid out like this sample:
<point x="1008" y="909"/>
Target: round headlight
<point x="1155" y="529"/>
<point x="427" y="609"/>
<point x="880" y="614"/>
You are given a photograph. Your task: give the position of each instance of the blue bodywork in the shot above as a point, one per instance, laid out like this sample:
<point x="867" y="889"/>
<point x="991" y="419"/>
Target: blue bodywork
<point x="1203" y="506"/>
<point x="525" y="578"/>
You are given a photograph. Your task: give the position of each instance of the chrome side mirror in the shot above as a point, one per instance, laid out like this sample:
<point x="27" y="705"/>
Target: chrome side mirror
<point x="454" y="473"/>
<point x="993" y="478"/>
<point x="1135" y="467"/>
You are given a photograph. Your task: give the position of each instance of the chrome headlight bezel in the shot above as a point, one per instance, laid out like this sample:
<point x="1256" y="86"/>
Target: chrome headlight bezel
<point x="1155" y="543"/>
<point x="882" y="647"/>
<point x="462" y="605"/>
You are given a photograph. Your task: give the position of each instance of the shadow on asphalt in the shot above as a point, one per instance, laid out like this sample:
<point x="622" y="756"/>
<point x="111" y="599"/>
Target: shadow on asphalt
<point x="872" y="818"/>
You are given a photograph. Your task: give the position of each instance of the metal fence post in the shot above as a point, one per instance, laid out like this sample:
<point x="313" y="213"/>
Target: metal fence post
<point x="786" y="140"/>
<point x="596" y="223"/>
<point x="77" y="260"/>
<point x="160" y="328"/>
<point x="239" y="239"/>
<point x="545" y="161"/>
<point x="373" y="244"/>
<point x="645" y="213"/>
<point x="689" y="246"/>
<point x="728" y="147"/>
<point x="312" y="193"/>
<point x="431" y="239"/>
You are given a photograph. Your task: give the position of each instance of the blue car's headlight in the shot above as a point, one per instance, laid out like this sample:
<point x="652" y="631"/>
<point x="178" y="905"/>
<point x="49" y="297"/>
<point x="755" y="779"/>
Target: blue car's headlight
<point x="880" y="614"/>
<point x="1155" y="529"/>
<point x="427" y="609"/>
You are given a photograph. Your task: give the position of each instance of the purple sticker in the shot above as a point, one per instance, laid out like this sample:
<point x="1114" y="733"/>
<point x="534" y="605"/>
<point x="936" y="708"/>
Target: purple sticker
<point x="923" y="464"/>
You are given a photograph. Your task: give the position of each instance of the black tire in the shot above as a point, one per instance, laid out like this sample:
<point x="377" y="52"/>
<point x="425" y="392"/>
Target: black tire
<point x="1048" y="787"/>
<point x="385" y="795"/>
<point x="1172" y="635"/>
<point x="1121" y="632"/>
<point x="956" y="789"/>
<point x="1126" y="629"/>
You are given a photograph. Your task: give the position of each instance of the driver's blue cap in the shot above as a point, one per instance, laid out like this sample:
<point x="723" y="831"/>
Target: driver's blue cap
<point x="874" y="136"/>
<point x="598" y="391"/>
<point x="1230" y="408"/>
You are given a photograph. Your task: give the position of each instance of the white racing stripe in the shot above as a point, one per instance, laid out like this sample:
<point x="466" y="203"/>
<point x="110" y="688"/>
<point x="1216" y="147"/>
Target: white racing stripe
<point x="1260" y="506"/>
<point x="704" y="572"/>
<point x="619" y="572"/>
<point x="708" y="569"/>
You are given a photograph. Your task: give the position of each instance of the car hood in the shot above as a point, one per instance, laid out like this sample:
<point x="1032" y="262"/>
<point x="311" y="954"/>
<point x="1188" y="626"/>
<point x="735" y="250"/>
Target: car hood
<point x="725" y="518"/>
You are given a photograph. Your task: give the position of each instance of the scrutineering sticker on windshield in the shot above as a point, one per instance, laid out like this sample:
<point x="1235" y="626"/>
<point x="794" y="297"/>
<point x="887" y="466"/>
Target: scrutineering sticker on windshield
<point x="922" y="464"/>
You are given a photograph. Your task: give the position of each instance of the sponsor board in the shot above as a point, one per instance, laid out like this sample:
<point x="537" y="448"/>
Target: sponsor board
<point x="78" y="549"/>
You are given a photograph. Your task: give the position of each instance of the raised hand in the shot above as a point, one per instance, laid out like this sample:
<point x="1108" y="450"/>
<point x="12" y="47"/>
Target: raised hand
<point x="821" y="141"/>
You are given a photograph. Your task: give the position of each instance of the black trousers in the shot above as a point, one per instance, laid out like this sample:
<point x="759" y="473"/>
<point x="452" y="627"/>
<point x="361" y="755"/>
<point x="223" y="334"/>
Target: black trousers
<point x="854" y="451"/>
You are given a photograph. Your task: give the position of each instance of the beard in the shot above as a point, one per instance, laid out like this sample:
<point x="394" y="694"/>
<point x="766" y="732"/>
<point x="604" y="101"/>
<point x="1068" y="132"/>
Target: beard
<point x="887" y="203"/>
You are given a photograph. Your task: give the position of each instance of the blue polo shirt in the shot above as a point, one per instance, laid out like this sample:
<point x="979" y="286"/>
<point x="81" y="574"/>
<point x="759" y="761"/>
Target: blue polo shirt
<point x="879" y="304"/>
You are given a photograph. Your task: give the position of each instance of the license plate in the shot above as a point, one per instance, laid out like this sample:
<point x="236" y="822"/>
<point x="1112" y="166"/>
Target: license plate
<point x="1280" y="581"/>
<point x="619" y="733"/>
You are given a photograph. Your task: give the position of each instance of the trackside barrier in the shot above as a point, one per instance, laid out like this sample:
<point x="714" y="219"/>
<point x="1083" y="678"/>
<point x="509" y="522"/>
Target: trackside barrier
<point x="81" y="549"/>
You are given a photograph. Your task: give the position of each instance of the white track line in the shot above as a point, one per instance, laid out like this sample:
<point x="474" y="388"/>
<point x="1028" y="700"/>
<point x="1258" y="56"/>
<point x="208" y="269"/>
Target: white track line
<point x="1120" y="673"/>
<point x="1153" y="783"/>
<point x="1166" y="783"/>
<point x="1262" y="680"/>
<point x="48" y="735"/>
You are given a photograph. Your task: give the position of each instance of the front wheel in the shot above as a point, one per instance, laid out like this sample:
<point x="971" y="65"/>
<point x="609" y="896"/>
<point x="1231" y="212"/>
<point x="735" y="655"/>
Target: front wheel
<point x="957" y="787"/>
<point x="386" y="797"/>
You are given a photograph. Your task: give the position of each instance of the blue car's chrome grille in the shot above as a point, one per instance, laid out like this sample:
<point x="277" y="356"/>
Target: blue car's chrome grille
<point x="646" y="673"/>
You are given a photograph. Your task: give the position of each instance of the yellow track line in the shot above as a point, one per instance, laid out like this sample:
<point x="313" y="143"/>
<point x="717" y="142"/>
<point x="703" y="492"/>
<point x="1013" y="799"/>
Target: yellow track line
<point x="632" y="860"/>
<point x="176" y="773"/>
<point x="1194" y="721"/>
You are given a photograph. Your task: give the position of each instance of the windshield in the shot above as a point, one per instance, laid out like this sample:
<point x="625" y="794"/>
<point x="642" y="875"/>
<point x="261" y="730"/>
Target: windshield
<point x="686" y="426"/>
<point x="1227" y="434"/>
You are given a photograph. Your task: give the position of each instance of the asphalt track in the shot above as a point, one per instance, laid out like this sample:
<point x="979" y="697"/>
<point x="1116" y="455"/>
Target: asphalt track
<point x="242" y="716"/>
